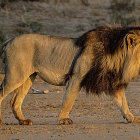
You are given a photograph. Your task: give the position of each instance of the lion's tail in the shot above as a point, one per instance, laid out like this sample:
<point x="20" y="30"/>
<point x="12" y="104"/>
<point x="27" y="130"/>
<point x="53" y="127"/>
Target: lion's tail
<point x="2" y="48"/>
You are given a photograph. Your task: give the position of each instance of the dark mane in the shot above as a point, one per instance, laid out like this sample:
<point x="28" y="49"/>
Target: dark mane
<point x="109" y="53"/>
<point x="109" y="36"/>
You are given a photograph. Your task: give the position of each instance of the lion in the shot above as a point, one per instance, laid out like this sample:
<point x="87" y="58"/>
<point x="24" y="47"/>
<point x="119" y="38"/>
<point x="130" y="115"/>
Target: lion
<point x="103" y="60"/>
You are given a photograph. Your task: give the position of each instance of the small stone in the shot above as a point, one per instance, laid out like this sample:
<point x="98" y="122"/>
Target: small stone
<point x="46" y="91"/>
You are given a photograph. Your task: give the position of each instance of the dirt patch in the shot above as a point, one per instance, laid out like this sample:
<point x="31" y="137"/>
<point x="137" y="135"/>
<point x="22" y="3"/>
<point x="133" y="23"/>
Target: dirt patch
<point x="94" y="118"/>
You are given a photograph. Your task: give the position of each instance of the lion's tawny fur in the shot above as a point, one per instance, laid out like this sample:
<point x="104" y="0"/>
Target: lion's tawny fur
<point x="105" y="59"/>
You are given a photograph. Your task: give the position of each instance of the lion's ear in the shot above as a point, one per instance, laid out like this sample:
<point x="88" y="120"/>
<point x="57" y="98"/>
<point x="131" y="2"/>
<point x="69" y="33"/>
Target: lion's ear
<point x="130" y="40"/>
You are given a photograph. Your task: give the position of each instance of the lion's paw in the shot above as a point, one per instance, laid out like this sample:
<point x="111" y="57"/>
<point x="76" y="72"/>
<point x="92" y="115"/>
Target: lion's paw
<point x="65" y="121"/>
<point x="25" y="122"/>
<point x="136" y="120"/>
<point x="129" y="117"/>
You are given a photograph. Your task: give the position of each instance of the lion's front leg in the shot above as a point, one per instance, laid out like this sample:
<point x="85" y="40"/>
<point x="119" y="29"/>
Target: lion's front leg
<point x="68" y="101"/>
<point x="120" y="98"/>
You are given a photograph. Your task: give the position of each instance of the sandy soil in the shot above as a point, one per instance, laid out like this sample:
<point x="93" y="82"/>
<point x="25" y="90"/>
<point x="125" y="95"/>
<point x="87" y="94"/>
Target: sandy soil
<point x="94" y="118"/>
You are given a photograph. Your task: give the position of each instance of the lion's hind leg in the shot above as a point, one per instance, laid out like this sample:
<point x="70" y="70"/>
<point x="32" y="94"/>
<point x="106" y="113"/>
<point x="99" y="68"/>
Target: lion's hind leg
<point x="120" y="99"/>
<point x="18" y="97"/>
<point x="6" y="88"/>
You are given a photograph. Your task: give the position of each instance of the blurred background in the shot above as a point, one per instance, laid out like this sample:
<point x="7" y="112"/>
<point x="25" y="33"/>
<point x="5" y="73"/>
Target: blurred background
<point x="69" y="18"/>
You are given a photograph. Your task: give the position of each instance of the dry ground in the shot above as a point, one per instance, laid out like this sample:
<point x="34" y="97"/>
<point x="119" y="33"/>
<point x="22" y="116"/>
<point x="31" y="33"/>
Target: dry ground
<point x="94" y="118"/>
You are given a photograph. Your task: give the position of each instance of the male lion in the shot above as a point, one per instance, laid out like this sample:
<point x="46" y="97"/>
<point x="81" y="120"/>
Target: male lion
<point x="105" y="60"/>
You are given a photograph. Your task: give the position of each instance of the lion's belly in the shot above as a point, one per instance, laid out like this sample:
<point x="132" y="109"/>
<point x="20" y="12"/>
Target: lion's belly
<point x="53" y="68"/>
<point x="52" y="77"/>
